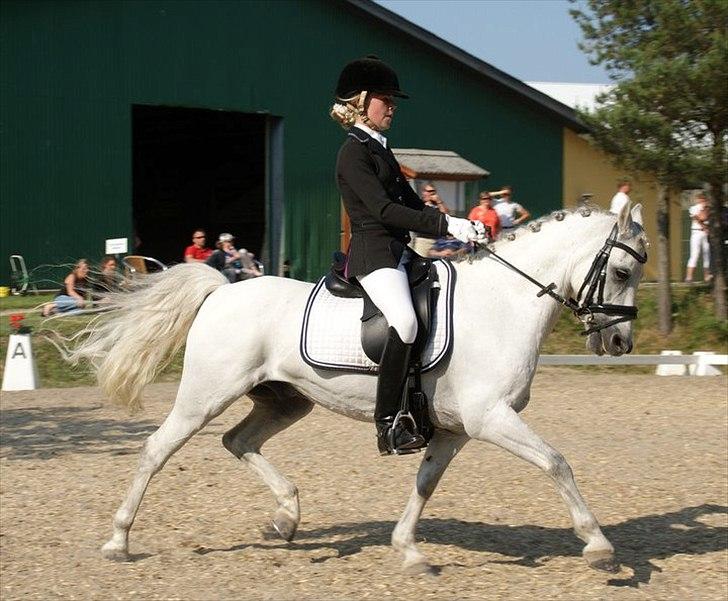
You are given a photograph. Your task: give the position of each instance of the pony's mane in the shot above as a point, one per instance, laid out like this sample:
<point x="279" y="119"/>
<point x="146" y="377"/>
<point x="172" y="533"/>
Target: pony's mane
<point x="532" y="227"/>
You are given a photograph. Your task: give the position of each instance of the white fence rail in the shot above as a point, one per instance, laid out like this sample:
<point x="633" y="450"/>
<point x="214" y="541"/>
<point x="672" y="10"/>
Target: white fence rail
<point x="670" y="363"/>
<point x="634" y="360"/>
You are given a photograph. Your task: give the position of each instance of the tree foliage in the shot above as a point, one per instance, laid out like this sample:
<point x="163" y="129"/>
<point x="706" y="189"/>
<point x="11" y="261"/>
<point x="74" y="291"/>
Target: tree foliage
<point x="668" y="113"/>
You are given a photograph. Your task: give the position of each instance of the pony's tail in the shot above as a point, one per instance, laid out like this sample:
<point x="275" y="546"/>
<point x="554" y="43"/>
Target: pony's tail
<point x="138" y="336"/>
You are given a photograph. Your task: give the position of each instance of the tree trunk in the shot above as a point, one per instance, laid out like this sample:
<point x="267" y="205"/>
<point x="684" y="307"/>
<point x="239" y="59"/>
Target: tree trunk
<point x="664" y="302"/>
<point x="717" y="228"/>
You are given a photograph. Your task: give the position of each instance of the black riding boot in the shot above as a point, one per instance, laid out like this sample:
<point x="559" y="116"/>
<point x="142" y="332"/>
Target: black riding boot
<point x="393" y="369"/>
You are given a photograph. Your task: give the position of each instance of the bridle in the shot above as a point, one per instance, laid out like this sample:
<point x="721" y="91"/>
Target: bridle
<point x="585" y="308"/>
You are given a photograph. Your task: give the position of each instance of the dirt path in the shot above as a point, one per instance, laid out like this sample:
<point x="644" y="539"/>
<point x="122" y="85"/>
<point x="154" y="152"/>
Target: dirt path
<point x="649" y="454"/>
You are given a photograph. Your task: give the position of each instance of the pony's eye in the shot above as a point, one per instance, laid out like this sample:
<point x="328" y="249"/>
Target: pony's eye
<point x="622" y="274"/>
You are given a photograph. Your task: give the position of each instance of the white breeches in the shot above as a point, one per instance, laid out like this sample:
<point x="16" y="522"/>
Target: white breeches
<point x="698" y="243"/>
<point x="389" y="290"/>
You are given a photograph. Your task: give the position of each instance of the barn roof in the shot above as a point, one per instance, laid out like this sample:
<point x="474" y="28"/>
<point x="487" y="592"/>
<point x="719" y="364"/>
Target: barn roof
<point x="563" y="113"/>
<point x="417" y="163"/>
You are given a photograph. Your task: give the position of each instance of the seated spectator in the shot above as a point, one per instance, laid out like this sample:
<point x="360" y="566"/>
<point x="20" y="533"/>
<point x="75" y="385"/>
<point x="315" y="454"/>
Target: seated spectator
<point x="107" y="280"/>
<point x="448" y="248"/>
<point x="72" y="294"/>
<point x="486" y="214"/>
<point x="226" y="259"/>
<point x="251" y="267"/>
<point x="511" y="214"/>
<point x="197" y="252"/>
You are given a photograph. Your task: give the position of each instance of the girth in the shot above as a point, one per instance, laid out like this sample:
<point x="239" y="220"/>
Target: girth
<point x="424" y="287"/>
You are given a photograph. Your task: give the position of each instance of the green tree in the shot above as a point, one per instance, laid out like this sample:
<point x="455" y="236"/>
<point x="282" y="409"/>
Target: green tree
<point x="668" y="113"/>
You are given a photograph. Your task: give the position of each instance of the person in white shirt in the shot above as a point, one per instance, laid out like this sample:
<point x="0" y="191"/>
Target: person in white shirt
<point x="698" y="238"/>
<point x="621" y="198"/>
<point x="510" y="214"/>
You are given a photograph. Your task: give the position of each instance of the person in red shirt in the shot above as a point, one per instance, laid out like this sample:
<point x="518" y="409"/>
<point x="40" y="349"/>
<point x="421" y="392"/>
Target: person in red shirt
<point x="486" y="214"/>
<point x="197" y="252"/>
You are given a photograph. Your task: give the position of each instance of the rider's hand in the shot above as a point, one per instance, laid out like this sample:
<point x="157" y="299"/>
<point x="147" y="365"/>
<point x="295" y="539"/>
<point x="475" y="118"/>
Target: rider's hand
<point x="465" y="230"/>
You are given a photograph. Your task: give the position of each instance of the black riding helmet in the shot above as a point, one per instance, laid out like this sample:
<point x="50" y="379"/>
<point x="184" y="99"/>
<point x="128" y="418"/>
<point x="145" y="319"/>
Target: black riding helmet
<point x="371" y="74"/>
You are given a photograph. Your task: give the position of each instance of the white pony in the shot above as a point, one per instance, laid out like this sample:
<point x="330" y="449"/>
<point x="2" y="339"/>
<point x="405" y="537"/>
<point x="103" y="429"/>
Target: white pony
<point x="476" y="393"/>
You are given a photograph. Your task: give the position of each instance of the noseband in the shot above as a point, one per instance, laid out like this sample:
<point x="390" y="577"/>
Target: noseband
<point x="585" y="308"/>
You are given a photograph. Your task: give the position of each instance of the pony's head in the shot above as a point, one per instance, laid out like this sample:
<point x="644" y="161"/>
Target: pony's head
<point x="607" y="292"/>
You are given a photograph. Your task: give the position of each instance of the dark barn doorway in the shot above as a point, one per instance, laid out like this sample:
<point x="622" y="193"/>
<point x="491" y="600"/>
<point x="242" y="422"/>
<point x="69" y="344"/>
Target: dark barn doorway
<point x="197" y="168"/>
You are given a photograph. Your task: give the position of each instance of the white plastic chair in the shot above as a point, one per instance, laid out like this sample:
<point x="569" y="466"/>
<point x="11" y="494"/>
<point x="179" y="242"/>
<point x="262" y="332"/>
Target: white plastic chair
<point x="139" y="264"/>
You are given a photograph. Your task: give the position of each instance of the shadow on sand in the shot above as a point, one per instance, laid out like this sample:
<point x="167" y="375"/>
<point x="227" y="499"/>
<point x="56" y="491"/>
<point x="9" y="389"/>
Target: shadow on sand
<point x="45" y="432"/>
<point x="638" y="541"/>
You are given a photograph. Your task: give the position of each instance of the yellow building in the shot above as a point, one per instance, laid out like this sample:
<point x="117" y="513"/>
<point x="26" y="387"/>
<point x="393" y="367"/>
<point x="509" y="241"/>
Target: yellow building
<point x="588" y="171"/>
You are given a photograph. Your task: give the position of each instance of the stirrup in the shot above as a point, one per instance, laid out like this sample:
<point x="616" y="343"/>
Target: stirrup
<point x="406" y="416"/>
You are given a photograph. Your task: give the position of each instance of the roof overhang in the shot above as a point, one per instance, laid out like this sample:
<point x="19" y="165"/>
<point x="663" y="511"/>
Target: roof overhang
<point x="443" y="165"/>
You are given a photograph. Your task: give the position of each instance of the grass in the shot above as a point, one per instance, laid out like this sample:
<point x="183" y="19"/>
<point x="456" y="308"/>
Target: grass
<point x="695" y="329"/>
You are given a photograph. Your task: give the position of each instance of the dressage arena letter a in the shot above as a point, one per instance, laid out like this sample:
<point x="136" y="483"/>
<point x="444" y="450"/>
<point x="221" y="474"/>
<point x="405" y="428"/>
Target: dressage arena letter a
<point x="20" y="372"/>
<point x="19" y="351"/>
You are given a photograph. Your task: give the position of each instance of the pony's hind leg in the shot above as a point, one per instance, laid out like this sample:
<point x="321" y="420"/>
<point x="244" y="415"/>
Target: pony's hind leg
<point x="504" y="427"/>
<point x="181" y="424"/>
<point x="442" y="449"/>
<point x="276" y="407"/>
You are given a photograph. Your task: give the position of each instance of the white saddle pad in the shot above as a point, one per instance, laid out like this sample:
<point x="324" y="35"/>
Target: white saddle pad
<point x="331" y="331"/>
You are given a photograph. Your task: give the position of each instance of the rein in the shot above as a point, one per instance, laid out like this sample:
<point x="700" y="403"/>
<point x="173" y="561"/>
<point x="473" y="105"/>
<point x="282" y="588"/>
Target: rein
<point x="585" y="309"/>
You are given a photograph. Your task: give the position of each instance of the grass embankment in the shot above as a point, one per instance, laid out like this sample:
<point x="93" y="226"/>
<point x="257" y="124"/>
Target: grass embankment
<point x="695" y="329"/>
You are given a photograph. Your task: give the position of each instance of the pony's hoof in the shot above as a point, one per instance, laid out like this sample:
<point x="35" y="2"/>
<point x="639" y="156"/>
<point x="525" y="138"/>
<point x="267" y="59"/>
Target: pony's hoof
<point x="604" y="561"/>
<point x="285" y="527"/>
<point x="420" y="568"/>
<point x="114" y="553"/>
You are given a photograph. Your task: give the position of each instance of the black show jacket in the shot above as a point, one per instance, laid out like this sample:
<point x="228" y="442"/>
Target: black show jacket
<point x="382" y="207"/>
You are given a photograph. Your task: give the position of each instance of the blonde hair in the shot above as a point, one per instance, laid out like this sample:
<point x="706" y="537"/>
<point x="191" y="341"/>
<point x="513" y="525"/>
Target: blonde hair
<point x="346" y="110"/>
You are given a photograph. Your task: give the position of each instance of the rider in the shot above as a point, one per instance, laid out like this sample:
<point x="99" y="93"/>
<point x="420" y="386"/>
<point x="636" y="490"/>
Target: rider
<point x="383" y="208"/>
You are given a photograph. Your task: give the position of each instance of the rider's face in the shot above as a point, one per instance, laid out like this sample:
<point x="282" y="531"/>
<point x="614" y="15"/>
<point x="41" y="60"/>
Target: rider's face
<point x="381" y="111"/>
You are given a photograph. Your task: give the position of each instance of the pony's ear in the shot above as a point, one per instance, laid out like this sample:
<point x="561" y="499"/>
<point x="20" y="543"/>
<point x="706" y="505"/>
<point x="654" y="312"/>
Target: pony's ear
<point x="637" y="214"/>
<point x="624" y="219"/>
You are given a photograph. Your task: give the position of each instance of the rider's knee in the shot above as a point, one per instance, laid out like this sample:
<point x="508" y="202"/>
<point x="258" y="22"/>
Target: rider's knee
<point x="406" y="327"/>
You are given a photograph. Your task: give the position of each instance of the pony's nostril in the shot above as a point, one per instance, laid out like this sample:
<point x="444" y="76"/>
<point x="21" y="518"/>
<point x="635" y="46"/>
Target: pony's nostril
<point x="629" y="347"/>
<point x="617" y="341"/>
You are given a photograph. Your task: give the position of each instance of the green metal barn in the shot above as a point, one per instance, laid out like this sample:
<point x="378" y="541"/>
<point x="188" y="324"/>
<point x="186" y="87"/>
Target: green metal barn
<point x="147" y="119"/>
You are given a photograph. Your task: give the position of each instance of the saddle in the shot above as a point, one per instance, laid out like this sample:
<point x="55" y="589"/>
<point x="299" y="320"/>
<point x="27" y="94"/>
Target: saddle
<point x="425" y="287"/>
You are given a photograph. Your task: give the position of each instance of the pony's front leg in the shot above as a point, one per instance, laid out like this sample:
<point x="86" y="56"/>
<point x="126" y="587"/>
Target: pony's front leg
<point x="502" y="426"/>
<point x="441" y="450"/>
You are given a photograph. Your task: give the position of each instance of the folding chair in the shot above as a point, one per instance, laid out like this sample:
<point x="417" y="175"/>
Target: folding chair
<point x="138" y="264"/>
<point x="19" y="277"/>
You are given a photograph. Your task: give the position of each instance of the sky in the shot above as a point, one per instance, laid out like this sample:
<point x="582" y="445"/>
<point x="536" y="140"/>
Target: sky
<point x="532" y="40"/>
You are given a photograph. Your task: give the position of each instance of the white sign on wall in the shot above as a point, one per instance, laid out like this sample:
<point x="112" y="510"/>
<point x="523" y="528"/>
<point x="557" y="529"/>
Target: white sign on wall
<point x="117" y="246"/>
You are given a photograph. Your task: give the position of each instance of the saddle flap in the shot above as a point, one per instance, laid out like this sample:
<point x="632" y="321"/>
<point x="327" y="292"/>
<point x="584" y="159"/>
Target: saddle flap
<point x="424" y="288"/>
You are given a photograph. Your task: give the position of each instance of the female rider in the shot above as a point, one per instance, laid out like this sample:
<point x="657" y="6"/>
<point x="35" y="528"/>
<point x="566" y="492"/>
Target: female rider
<point x="383" y="209"/>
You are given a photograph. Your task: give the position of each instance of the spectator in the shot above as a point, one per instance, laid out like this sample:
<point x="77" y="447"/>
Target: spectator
<point x="432" y="199"/>
<point x="445" y="248"/>
<point x="699" y="213"/>
<point x="251" y="267"/>
<point x="486" y="214"/>
<point x="226" y="259"/>
<point x="621" y="198"/>
<point x="510" y="214"/>
<point x="197" y="252"/>
<point x="422" y="244"/>
<point x="72" y="294"/>
<point x="107" y="280"/>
